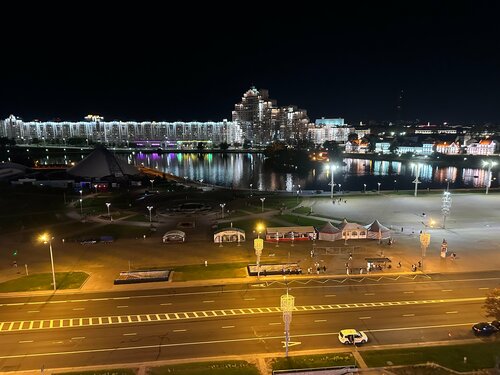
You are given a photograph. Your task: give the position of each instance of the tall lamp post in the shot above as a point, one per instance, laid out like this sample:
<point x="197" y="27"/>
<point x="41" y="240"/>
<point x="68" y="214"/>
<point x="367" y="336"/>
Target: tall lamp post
<point x="416" y="181"/>
<point x="109" y="213"/>
<point x="149" y="209"/>
<point x="47" y="238"/>
<point x="287" y="306"/>
<point x="258" y="245"/>
<point x="251" y="190"/>
<point x="364" y="188"/>
<point x="262" y="200"/>
<point x="490" y="164"/>
<point x="81" y="208"/>
<point x="425" y="240"/>
<point x="222" y="205"/>
<point x="332" y="183"/>
<point x="378" y="190"/>
<point x="152" y="182"/>
<point x="445" y="208"/>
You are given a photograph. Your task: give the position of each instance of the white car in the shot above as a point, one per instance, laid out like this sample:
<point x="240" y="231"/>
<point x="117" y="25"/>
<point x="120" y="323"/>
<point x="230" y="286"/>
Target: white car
<point x="351" y="336"/>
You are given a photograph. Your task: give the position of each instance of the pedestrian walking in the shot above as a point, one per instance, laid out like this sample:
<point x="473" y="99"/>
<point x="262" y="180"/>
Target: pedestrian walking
<point x="350" y="256"/>
<point x="402" y="229"/>
<point x="324" y="269"/>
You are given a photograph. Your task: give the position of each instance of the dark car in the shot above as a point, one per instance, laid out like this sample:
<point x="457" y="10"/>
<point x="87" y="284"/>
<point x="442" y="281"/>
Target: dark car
<point x="484" y="328"/>
<point x="496" y="324"/>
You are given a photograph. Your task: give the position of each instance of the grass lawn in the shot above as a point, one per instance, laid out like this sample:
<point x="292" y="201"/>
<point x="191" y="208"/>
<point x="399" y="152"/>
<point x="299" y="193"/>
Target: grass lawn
<point x="212" y="271"/>
<point x="43" y="281"/>
<point x="298" y="220"/>
<point x="211" y="368"/>
<point x="117" y="371"/>
<point x="313" y="361"/>
<point x="479" y="356"/>
<point x="302" y="210"/>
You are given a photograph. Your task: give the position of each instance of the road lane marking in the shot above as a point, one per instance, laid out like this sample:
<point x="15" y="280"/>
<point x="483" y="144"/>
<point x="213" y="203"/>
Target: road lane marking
<point x="369" y="294"/>
<point x="121" y="307"/>
<point x="409" y="292"/>
<point x="179" y="330"/>
<point x="275" y="324"/>
<point x="33" y="311"/>
<point x="99" y="299"/>
<point x="409" y="315"/>
<point x="330" y="295"/>
<point x="228" y="327"/>
<point x="78" y="338"/>
<point x="320" y="320"/>
<point x="129" y="334"/>
<point x="79" y="300"/>
<point x="364" y="317"/>
<point x="483" y="288"/>
<point x="209" y="301"/>
<point x="115" y="298"/>
<point x="447" y="290"/>
<point x="79" y="308"/>
<point x="451" y="312"/>
<point x="166" y="304"/>
<point x="25" y="341"/>
<point x="249" y="299"/>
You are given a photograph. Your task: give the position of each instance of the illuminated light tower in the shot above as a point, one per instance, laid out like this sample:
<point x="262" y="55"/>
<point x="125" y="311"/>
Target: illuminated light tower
<point x="251" y="190"/>
<point x="417" y="175"/>
<point x="446" y="206"/>
<point x="258" y="245"/>
<point x="332" y="183"/>
<point x="287" y="306"/>
<point x="378" y="190"/>
<point x="149" y="209"/>
<point x="81" y="208"/>
<point x="47" y="238"/>
<point x="109" y="212"/>
<point x="152" y="182"/>
<point x="222" y="205"/>
<point x="490" y="164"/>
<point x="262" y="200"/>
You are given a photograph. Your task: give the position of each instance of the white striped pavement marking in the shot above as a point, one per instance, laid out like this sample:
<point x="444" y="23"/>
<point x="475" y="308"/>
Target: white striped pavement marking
<point x="409" y="315"/>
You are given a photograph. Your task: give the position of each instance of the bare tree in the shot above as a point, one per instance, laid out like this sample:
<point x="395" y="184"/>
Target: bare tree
<point x="492" y="304"/>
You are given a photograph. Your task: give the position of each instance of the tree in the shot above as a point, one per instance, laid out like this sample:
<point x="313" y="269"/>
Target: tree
<point x="333" y="149"/>
<point x="247" y="144"/>
<point x="224" y="146"/>
<point x="394" y="147"/>
<point x="352" y="136"/>
<point x="200" y="146"/>
<point x="492" y="304"/>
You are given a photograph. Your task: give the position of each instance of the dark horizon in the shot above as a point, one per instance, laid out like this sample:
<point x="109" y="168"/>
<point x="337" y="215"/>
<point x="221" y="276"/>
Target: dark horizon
<point x="352" y="63"/>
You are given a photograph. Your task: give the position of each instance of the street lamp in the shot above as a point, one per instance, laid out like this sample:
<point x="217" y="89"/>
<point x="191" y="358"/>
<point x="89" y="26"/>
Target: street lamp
<point x="364" y="188"/>
<point x="262" y="200"/>
<point x="149" y="209"/>
<point x="258" y="245"/>
<point x="417" y="174"/>
<point x="81" y="208"/>
<point x="395" y="182"/>
<point x="287" y="306"/>
<point x="340" y="188"/>
<point x="332" y="183"/>
<point x="251" y="190"/>
<point x="222" y="205"/>
<point x="425" y="240"/>
<point x="45" y="237"/>
<point x="490" y="164"/>
<point x="109" y="214"/>
<point x="447" y="180"/>
<point x="152" y="182"/>
<point x="445" y="208"/>
<point x="378" y="191"/>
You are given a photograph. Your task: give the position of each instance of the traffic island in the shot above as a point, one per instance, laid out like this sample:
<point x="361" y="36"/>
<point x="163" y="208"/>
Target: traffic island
<point x="274" y="269"/>
<point x="142" y="276"/>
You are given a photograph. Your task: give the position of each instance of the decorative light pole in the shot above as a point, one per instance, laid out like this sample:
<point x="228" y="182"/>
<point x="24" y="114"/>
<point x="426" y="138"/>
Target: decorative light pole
<point x="445" y="208"/>
<point x="149" y="209"/>
<point x="416" y="181"/>
<point x="298" y="193"/>
<point x="378" y="190"/>
<point x="262" y="200"/>
<point x="287" y="306"/>
<point x="47" y="238"/>
<point x="81" y="208"/>
<point x="425" y="240"/>
<point x="332" y="183"/>
<point x="109" y="213"/>
<point x="340" y="188"/>
<point x="251" y="190"/>
<point x="152" y="182"/>
<point x="222" y="205"/>
<point x="258" y="245"/>
<point x="395" y="182"/>
<point x="490" y="164"/>
<point x="447" y="184"/>
<point x="364" y="188"/>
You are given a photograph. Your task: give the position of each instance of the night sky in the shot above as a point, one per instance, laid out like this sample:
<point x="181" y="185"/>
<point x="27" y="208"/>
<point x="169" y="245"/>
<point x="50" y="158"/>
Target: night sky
<point x="150" y="63"/>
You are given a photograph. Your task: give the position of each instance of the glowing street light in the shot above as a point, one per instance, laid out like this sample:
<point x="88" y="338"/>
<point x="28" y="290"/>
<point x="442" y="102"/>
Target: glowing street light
<point x="332" y="183"/>
<point x="251" y="189"/>
<point x="417" y="175"/>
<point x="287" y="306"/>
<point x="149" y="209"/>
<point x="152" y="182"/>
<point x="109" y="213"/>
<point x="47" y="238"/>
<point x="340" y="188"/>
<point x="447" y="180"/>
<point x="262" y="200"/>
<point x="490" y="164"/>
<point x="364" y="188"/>
<point x="222" y="205"/>
<point x="258" y="245"/>
<point x="378" y="190"/>
<point x="81" y="208"/>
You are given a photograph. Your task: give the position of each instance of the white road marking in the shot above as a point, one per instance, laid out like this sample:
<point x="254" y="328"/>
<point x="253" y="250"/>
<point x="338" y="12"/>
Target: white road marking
<point x="129" y="334"/>
<point x="364" y="317"/>
<point x="228" y="327"/>
<point x="78" y="308"/>
<point x="320" y="320"/>
<point x="165" y="304"/>
<point x="483" y="288"/>
<point x="25" y="341"/>
<point x="409" y="315"/>
<point x="179" y="330"/>
<point x="33" y="311"/>
<point x="78" y="338"/>
<point x="447" y="290"/>
<point x="249" y="299"/>
<point x="330" y="295"/>
<point x="211" y="301"/>
<point x="121" y="307"/>
<point x="409" y="292"/>
<point x="99" y="299"/>
<point x="451" y="312"/>
<point x="121" y="298"/>
<point x="274" y="324"/>
<point x="369" y="294"/>
<point x="79" y="300"/>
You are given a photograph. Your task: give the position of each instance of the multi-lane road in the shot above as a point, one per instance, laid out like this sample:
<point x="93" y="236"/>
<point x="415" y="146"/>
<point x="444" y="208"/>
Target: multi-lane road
<point x="64" y="330"/>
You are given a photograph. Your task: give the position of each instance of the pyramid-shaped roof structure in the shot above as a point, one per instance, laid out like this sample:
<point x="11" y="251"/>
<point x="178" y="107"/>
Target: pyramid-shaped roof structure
<point x="102" y="163"/>
<point x="377" y="227"/>
<point x="329" y="228"/>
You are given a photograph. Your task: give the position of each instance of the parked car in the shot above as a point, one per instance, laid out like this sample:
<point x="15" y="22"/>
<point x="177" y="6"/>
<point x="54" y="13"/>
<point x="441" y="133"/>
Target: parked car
<point x="351" y="336"/>
<point x="484" y="329"/>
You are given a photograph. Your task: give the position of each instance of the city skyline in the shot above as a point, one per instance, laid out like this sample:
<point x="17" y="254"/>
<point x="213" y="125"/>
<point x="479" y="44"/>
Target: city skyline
<point x="353" y="63"/>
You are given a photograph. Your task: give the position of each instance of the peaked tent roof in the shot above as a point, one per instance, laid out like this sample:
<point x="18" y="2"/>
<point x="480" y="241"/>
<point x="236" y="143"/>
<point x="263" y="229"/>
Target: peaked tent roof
<point x="345" y="225"/>
<point x="102" y="163"/>
<point x="376" y="227"/>
<point x="329" y="228"/>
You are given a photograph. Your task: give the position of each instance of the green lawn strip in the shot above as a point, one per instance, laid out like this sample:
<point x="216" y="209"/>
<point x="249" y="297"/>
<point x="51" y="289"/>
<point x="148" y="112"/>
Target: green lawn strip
<point x="211" y="271"/>
<point x="301" y="221"/>
<point x="479" y="356"/>
<point x="302" y="210"/>
<point x="137" y="217"/>
<point x="211" y="368"/>
<point x="313" y="361"/>
<point x="117" y="371"/>
<point x="43" y="281"/>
